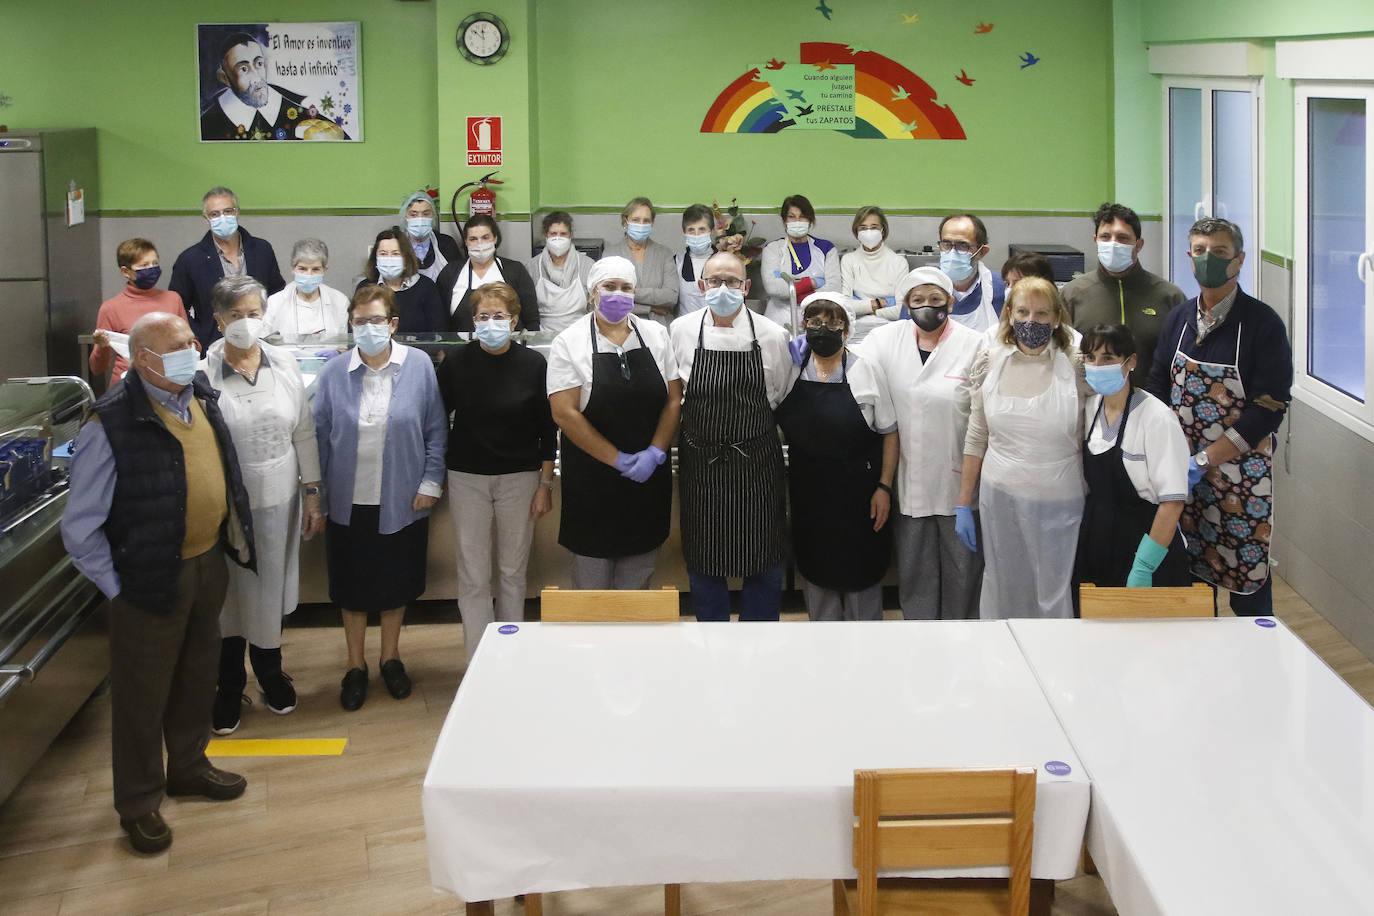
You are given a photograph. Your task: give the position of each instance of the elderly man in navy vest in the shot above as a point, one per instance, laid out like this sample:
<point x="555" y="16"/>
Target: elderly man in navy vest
<point x="226" y="250"/>
<point x="156" y="500"/>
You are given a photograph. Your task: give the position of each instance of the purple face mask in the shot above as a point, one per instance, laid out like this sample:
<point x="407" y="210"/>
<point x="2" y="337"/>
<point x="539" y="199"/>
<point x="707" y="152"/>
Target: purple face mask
<point x="615" y="306"/>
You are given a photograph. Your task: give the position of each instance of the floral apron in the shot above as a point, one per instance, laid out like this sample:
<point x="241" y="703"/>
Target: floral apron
<point x="1229" y="515"/>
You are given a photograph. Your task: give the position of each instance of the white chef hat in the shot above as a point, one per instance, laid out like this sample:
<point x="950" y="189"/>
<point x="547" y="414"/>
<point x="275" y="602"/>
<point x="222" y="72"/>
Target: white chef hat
<point x="924" y="276"/>
<point x="825" y="295"/>
<point x="611" y="267"/>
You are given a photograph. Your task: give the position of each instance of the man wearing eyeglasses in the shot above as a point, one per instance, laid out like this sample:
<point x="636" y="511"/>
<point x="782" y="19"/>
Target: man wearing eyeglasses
<point x="156" y="500"/>
<point x="227" y="250"/>
<point x="735" y="367"/>
<point x="978" y="291"/>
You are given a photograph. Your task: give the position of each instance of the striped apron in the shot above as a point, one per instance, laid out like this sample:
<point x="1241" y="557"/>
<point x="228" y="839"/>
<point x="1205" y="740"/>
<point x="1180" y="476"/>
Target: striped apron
<point x="730" y="460"/>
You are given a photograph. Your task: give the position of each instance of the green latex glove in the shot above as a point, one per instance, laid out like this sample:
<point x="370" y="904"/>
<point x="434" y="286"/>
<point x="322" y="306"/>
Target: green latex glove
<point x="1148" y="556"/>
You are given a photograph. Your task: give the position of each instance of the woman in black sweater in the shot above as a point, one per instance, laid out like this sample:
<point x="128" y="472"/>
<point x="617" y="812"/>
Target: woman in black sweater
<point x="500" y="459"/>
<point x="460" y="280"/>
<point x="392" y="263"/>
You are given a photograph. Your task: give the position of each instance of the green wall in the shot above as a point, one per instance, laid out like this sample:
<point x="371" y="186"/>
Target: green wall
<point x="1223" y="20"/>
<point x="621" y="94"/>
<point x="131" y="73"/>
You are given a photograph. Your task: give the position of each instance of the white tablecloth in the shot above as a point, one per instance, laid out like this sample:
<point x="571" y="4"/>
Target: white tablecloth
<point x="1232" y="771"/>
<point x="599" y="755"/>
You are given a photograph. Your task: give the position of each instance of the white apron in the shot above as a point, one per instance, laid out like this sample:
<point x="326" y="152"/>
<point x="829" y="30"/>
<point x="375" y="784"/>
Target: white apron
<point x="261" y="419"/>
<point x="690" y="298"/>
<point x="465" y="283"/>
<point x="984" y="316"/>
<point x="559" y="306"/>
<point x="785" y="311"/>
<point x="1031" y="496"/>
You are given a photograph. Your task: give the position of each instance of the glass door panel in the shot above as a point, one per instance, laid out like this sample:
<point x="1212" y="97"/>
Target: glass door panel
<point x="1233" y="172"/>
<point x="1186" y="193"/>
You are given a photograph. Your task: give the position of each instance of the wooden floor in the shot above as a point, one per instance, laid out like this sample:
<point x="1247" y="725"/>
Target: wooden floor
<point x="344" y="834"/>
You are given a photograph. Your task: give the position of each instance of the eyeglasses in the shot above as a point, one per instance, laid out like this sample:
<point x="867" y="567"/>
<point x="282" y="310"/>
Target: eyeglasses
<point x="227" y="211"/>
<point x="502" y="316"/>
<point x="375" y="320"/>
<point x="624" y="365"/>
<point x="961" y="247"/>
<point x="817" y="323"/>
<point x="718" y="282"/>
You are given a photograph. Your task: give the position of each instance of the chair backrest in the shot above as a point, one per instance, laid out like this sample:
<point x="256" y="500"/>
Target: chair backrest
<point x="607" y="606"/>
<point x="1125" y="603"/>
<point x="941" y="818"/>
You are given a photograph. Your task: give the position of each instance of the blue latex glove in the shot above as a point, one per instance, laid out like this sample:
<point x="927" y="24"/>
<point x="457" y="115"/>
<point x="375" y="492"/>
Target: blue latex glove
<point x="798" y="347"/>
<point x="891" y="300"/>
<point x="327" y="355"/>
<point x="659" y="454"/>
<point x="643" y="467"/>
<point x="965" y="528"/>
<point x="1195" y="473"/>
<point x="1148" y="556"/>
<point x="624" y="462"/>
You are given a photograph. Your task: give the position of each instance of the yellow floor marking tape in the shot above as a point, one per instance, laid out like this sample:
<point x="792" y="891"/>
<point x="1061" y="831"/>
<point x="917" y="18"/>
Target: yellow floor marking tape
<point x="276" y="747"/>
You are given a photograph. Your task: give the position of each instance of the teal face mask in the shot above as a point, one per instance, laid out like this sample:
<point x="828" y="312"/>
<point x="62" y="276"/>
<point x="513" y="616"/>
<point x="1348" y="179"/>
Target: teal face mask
<point x="1210" y="270"/>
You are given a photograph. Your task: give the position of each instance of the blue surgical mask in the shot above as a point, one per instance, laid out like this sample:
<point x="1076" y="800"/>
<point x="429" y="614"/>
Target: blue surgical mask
<point x="493" y="333"/>
<point x="390" y="265"/>
<point x="957" y="265"/>
<point x="724" y="301"/>
<point x="372" y="338"/>
<point x="419" y="226"/>
<point x="1105" y="380"/>
<point x="699" y="244"/>
<point x="308" y="283"/>
<point x="1114" y="256"/>
<point x="224" y="226"/>
<point x="179" y="366"/>
<point x="639" y="231"/>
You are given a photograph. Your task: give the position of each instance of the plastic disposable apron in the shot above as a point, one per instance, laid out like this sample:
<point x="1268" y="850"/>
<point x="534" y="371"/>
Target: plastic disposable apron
<point x="984" y="316"/>
<point x="1031" y="495"/>
<point x="690" y="298"/>
<point x="834" y="464"/>
<point x="603" y="513"/>
<point x="439" y="261"/>
<point x="1229" y="514"/>
<point x="559" y="306"/>
<point x="731" y="489"/>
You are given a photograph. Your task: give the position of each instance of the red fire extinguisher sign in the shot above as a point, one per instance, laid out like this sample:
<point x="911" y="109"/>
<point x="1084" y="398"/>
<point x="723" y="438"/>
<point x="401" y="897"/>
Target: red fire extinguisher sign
<point x="484" y="141"/>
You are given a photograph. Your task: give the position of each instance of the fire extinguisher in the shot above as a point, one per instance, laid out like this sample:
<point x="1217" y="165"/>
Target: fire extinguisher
<point x="483" y="200"/>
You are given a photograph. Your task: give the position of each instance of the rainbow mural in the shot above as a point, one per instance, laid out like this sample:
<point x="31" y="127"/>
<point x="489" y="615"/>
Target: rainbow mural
<point x="890" y="102"/>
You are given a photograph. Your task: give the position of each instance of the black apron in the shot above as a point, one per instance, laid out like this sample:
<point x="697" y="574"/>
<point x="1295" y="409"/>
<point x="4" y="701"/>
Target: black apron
<point x="1116" y="517"/>
<point x="604" y="514"/>
<point x="730" y="461"/>
<point x="834" y="462"/>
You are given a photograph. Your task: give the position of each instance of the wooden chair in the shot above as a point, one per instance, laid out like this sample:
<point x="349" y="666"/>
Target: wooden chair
<point x="936" y="818"/>
<point x="1126" y="603"/>
<point x="557" y="605"/>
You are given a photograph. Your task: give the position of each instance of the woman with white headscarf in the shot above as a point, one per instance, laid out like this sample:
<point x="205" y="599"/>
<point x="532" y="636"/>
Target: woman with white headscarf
<point x="433" y="249"/>
<point x="615" y="394"/>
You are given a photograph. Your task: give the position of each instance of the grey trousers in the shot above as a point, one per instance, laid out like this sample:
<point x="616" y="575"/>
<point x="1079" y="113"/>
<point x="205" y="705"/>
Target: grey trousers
<point x="828" y="604"/>
<point x="614" y="572"/>
<point x="938" y="577"/>
<point x="163" y="667"/>
<point x="491" y="512"/>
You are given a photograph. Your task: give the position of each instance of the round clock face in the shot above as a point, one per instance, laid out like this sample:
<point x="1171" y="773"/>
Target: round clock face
<point x="482" y="38"/>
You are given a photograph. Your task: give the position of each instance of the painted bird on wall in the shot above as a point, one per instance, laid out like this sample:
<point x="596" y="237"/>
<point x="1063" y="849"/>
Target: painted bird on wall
<point x="803" y="112"/>
<point x="983" y="28"/>
<point x="1028" y="59"/>
<point x="797" y="95"/>
<point x="775" y="64"/>
<point x="964" y="78"/>
<point x="824" y="10"/>
<point x="900" y="94"/>
<point x="910" y="18"/>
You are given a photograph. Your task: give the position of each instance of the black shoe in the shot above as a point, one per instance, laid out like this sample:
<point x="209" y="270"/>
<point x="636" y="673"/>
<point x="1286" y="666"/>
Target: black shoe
<point x="225" y="718"/>
<point x="278" y="693"/>
<point x="214" y="784"/>
<point x="397" y="681"/>
<point x="354" y="691"/>
<point x="148" y="833"/>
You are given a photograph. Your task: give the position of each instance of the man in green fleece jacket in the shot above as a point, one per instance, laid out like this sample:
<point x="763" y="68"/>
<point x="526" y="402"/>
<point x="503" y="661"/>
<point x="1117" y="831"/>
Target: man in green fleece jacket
<point x="1120" y="291"/>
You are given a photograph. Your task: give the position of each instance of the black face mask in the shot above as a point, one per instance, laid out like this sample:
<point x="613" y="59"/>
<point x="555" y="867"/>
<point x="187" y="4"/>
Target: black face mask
<point x="823" y="341"/>
<point x="928" y="317"/>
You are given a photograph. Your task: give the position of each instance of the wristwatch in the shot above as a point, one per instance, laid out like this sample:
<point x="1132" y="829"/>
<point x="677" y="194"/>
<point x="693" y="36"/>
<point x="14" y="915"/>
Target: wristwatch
<point x="547" y="483"/>
<point x="312" y="491"/>
<point x="1201" y="458"/>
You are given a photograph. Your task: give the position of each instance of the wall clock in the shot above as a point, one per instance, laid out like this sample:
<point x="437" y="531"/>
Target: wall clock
<point x="483" y="38"/>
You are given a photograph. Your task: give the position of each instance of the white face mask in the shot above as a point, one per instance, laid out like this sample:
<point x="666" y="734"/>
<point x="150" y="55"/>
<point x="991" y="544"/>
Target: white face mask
<point x="390" y="265"/>
<point x="870" y="238"/>
<point x="482" y="253"/>
<point x="799" y="229"/>
<point x="244" y="332"/>
<point x="558" y="245"/>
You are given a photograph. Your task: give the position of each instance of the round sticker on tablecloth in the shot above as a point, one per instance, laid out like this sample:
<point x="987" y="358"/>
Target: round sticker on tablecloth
<point x="508" y="628"/>
<point x="1058" y="768"/>
<point x="1265" y="622"/>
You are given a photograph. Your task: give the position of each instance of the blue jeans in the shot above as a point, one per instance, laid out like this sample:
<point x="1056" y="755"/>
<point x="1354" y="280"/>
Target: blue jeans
<point x="1257" y="604"/>
<point x="760" y="600"/>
